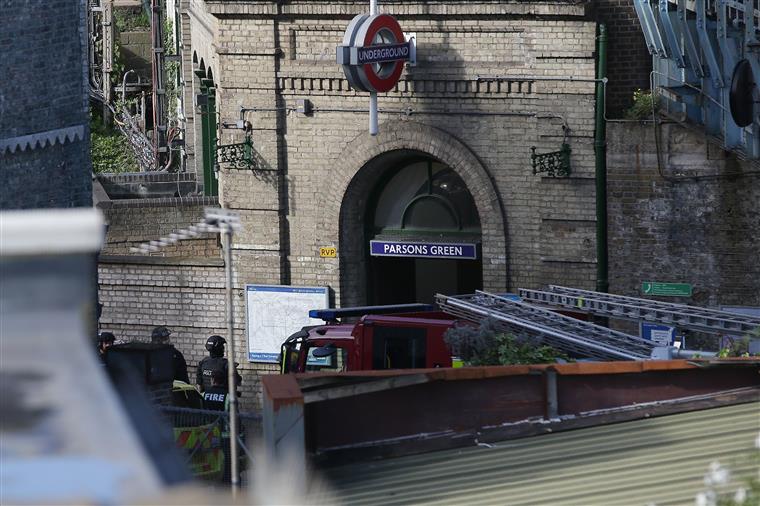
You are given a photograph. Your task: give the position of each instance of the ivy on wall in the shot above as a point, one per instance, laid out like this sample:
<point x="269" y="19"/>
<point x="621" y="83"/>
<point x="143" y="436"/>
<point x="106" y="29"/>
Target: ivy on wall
<point x="109" y="149"/>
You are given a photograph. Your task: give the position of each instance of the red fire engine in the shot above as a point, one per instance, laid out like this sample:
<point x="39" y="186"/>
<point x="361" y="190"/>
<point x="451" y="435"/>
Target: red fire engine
<point x="404" y="336"/>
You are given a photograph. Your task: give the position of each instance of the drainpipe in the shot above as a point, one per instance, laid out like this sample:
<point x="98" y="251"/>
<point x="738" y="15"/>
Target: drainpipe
<point x="600" y="157"/>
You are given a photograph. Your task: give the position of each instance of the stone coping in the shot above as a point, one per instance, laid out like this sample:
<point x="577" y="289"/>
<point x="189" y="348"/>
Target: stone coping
<point x="161" y="202"/>
<point x="157" y="260"/>
<point x="138" y="177"/>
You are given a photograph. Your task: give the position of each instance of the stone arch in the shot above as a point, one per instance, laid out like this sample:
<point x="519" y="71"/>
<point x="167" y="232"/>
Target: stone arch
<point x="354" y="176"/>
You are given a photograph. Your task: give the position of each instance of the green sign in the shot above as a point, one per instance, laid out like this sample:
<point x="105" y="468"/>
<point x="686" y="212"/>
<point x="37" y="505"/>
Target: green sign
<point x="666" y="289"/>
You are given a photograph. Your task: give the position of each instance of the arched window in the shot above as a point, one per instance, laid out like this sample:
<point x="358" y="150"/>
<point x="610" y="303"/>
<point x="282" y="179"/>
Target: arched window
<point x="425" y="196"/>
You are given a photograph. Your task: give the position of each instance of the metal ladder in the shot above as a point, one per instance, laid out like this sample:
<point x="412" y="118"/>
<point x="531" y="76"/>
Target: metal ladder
<point x="630" y="308"/>
<point x="562" y="332"/>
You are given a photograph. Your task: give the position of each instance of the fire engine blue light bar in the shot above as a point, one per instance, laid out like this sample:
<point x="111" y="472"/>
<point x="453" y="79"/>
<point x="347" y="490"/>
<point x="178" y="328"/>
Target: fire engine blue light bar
<point x="334" y="314"/>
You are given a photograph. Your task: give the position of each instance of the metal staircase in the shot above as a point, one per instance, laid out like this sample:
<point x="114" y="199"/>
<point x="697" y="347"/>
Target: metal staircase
<point x="630" y="308"/>
<point x="562" y="332"/>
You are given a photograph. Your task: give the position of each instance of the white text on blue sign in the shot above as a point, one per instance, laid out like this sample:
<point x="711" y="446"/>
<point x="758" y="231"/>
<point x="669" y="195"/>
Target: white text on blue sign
<point x="423" y="250"/>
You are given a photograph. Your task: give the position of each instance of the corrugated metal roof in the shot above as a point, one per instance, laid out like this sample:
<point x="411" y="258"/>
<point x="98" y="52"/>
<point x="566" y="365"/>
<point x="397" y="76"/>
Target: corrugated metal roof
<point x="658" y="460"/>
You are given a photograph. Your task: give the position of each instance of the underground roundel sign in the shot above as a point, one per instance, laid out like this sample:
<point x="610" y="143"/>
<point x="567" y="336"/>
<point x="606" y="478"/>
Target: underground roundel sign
<point x="373" y="52"/>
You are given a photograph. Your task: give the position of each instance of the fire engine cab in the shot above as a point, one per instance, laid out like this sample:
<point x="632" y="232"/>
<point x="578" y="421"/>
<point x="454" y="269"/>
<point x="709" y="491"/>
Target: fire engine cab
<point x="403" y="336"/>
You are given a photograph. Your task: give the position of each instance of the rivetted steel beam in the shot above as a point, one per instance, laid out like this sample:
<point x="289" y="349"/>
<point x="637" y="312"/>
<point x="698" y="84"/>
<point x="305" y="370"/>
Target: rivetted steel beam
<point x="692" y="51"/>
<point x="728" y="47"/>
<point x="732" y="134"/>
<point x="671" y="35"/>
<point x="650" y="29"/>
<point x="752" y="53"/>
<point x="707" y="46"/>
<point x="751" y="41"/>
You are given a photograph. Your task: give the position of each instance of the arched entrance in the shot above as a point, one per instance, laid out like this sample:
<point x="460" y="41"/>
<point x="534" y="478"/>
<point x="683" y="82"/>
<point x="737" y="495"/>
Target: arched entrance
<point x="423" y="233"/>
<point x="357" y="179"/>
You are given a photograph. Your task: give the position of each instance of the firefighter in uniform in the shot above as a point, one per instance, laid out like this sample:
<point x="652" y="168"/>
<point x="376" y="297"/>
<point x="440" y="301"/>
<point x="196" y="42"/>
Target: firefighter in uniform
<point x="214" y="362"/>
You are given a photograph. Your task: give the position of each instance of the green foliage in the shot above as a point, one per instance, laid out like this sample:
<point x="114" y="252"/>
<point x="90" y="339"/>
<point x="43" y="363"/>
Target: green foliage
<point x="117" y="64"/>
<point x="110" y="150"/>
<point x="487" y="345"/>
<point x="172" y="74"/>
<point x="514" y="351"/>
<point x="739" y="348"/>
<point x="131" y="20"/>
<point x="642" y="105"/>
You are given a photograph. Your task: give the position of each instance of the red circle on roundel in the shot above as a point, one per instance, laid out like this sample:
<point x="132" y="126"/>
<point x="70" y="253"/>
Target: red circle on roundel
<point x="383" y="22"/>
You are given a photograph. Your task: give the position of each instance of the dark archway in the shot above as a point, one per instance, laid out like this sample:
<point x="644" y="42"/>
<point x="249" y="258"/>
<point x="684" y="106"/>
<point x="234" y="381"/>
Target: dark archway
<point x="356" y="174"/>
<point x="414" y="200"/>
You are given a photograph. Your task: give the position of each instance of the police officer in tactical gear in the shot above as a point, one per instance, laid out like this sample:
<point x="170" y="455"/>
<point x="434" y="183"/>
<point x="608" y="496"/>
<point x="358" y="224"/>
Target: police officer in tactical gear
<point x="214" y="362"/>
<point x="215" y="397"/>
<point x="105" y="341"/>
<point x="160" y="335"/>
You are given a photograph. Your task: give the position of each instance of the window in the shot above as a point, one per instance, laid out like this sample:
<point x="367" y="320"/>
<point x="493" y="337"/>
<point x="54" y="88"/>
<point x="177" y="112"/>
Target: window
<point x="426" y="196"/>
<point x="336" y="362"/>
<point x="399" y="348"/>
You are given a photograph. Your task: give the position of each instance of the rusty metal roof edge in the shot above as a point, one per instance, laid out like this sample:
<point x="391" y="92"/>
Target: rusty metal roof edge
<point x="576" y="368"/>
<point x="534" y="426"/>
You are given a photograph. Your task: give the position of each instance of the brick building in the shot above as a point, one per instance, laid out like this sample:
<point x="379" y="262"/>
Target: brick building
<point x="44" y="131"/>
<point x="492" y="80"/>
<point x="451" y="164"/>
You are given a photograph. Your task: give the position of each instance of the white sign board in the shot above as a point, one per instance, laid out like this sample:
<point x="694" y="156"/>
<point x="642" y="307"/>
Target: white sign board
<point x="274" y="312"/>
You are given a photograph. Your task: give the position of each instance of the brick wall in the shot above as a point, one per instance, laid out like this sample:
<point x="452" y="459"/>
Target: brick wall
<point x="536" y="230"/>
<point x="181" y="287"/>
<point x="43" y="105"/>
<point x="136" y="53"/>
<point x="628" y="60"/>
<point x="186" y="295"/>
<point x="698" y="231"/>
<point x="273" y="60"/>
<point x="135" y="221"/>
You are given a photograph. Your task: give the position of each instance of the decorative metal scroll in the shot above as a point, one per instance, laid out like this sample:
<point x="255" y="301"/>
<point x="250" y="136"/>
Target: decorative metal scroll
<point x="237" y="156"/>
<point x="554" y="164"/>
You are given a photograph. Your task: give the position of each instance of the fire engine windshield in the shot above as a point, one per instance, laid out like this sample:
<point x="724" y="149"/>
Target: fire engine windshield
<point x="326" y="358"/>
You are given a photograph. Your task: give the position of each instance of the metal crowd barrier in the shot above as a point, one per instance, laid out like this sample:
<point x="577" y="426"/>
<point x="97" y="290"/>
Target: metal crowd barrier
<point x="203" y="435"/>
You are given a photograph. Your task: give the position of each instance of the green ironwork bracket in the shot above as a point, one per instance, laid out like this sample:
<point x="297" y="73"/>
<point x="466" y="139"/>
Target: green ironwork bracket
<point x="237" y="156"/>
<point x="554" y="164"/>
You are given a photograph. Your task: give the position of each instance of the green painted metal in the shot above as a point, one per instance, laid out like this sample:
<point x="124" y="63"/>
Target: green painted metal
<point x="554" y="164"/>
<point x="204" y="141"/>
<point x="600" y="155"/>
<point x="237" y="156"/>
<point x="213" y="141"/>
<point x="666" y="289"/>
<point x="659" y="460"/>
<point x="209" y="136"/>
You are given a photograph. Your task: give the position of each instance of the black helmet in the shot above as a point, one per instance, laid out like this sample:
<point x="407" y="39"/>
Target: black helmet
<point x="106" y="337"/>
<point x="160" y="334"/>
<point x="215" y="344"/>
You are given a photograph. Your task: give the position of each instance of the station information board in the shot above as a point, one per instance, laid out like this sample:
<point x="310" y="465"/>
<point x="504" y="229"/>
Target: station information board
<point x="274" y="312"/>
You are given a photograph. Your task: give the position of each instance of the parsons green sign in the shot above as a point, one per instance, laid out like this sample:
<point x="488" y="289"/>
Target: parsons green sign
<point x="666" y="289"/>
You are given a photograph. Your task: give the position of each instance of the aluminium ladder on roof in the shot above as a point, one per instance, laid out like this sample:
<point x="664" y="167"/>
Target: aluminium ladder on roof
<point x="631" y="308"/>
<point x="562" y="332"/>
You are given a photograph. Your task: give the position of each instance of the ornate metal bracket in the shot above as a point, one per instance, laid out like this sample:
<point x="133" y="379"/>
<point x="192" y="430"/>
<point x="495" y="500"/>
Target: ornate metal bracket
<point x="554" y="164"/>
<point x="237" y="156"/>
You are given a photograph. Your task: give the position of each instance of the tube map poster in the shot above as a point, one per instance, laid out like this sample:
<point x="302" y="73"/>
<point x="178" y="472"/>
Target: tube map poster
<point x="274" y="312"/>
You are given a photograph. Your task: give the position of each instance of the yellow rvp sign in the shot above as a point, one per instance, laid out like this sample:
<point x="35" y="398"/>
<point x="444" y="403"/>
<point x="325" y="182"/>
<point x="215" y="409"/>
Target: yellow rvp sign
<point x="328" y="252"/>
